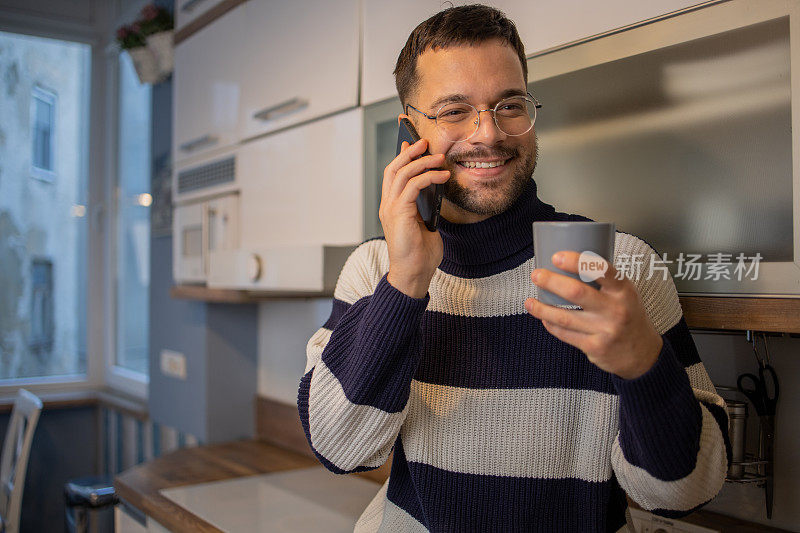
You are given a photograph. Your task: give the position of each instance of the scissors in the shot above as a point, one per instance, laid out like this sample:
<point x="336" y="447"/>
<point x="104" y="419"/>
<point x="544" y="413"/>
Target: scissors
<point x="763" y="392"/>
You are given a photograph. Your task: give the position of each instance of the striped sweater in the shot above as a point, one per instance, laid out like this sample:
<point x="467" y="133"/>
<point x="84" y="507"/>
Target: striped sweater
<point x="497" y="425"/>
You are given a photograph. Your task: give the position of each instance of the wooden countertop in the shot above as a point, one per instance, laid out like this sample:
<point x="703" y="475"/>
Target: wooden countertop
<point x="139" y="486"/>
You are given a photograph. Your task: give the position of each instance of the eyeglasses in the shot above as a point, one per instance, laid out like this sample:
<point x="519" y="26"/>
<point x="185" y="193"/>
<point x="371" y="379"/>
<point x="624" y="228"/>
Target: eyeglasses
<point x="457" y="122"/>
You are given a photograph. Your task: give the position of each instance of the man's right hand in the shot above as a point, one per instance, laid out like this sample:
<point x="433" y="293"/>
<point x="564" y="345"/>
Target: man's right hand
<point x="414" y="252"/>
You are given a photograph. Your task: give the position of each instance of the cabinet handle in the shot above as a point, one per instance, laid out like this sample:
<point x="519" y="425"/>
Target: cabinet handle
<point x="191" y="4"/>
<point x="194" y="144"/>
<point x="284" y="108"/>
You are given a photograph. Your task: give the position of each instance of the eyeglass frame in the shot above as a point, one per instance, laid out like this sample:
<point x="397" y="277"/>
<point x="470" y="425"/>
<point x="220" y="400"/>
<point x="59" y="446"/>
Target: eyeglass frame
<point x="536" y="105"/>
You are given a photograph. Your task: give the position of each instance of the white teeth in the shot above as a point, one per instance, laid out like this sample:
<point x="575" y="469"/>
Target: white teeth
<point x="482" y="164"/>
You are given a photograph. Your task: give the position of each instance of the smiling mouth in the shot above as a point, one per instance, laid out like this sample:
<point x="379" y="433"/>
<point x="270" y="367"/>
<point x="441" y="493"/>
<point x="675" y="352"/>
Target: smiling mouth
<point x="483" y="164"/>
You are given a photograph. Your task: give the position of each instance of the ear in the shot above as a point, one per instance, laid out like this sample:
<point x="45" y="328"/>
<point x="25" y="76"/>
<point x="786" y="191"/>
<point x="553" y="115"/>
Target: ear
<point x="402" y="116"/>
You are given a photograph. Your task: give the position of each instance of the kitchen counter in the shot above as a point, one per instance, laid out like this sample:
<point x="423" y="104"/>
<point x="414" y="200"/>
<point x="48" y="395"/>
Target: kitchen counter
<point x="140" y="486"/>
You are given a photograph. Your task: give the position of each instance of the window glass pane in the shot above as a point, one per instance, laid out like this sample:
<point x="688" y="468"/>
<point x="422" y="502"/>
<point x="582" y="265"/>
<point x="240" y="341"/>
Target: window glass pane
<point x="133" y="220"/>
<point x="42" y="131"/>
<point x="42" y="223"/>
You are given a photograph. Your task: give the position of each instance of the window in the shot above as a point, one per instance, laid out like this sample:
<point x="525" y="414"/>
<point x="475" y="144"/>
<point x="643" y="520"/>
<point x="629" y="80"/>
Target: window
<point x="132" y="245"/>
<point x="41" y="340"/>
<point x="43" y="229"/>
<point x="43" y="105"/>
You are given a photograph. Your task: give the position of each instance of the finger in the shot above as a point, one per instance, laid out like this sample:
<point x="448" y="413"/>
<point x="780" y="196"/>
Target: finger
<point x="417" y="183"/>
<point x="570" y="261"/>
<point x="612" y="279"/>
<point x="571" y="289"/>
<point x="403" y="158"/>
<point x="413" y="169"/>
<point x="386" y="181"/>
<point x="573" y="320"/>
<point x="576" y="339"/>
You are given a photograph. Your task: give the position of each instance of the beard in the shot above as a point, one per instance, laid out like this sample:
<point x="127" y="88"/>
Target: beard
<point x="500" y="195"/>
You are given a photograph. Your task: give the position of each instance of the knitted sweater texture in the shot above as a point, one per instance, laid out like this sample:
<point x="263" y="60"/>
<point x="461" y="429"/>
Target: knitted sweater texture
<point x="494" y="423"/>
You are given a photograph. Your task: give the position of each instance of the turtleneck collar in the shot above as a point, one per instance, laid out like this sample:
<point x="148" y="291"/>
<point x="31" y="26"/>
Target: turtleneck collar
<point x="470" y="250"/>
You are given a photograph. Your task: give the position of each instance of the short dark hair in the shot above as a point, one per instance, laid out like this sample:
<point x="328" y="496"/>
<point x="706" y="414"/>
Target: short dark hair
<point x="462" y="25"/>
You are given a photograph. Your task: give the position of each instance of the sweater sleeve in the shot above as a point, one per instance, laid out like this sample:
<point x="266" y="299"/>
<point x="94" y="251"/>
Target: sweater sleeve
<point x="672" y="451"/>
<point x="353" y="397"/>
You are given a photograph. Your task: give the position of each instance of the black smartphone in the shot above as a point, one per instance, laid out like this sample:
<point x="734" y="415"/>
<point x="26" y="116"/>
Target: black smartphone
<point x="429" y="201"/>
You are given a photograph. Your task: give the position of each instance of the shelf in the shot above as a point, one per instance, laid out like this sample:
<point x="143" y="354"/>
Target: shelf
<point x="736" y="313"/>
<point x="235" y="296"/>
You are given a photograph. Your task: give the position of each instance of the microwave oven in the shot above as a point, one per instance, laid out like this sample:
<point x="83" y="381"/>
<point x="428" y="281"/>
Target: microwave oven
<point x="201" y="228"/>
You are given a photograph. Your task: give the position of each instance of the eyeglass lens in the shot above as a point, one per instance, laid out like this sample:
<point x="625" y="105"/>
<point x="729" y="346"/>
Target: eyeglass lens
<point x="459" y="121"/>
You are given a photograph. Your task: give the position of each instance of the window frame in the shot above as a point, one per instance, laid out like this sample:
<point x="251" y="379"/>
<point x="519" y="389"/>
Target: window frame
<point x="49" y="97"/>
<point x="100" y="105"/>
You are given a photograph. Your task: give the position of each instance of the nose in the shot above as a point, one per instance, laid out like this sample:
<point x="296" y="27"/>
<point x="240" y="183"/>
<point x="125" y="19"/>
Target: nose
<point x="487" y="132"/>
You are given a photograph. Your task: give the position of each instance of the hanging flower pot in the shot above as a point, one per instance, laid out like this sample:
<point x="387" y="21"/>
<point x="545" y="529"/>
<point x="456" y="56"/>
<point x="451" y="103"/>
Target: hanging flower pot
<point x="160" y="44"/>
<point x="145" y="64"/>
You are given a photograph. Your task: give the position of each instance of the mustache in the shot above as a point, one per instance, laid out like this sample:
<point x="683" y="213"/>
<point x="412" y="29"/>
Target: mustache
<point x="500" y="152"/>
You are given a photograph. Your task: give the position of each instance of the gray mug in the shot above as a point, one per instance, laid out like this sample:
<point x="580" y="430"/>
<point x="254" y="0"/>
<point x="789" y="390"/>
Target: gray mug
<point x="550" y="237"/>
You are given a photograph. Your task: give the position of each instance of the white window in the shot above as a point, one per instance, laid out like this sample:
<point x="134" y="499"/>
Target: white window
<point x="43" y="116"/>
<point x="127" y="366"/>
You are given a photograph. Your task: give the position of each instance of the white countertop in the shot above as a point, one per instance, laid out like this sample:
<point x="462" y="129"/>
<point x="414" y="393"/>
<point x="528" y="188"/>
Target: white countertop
<point x="300" y="500"/>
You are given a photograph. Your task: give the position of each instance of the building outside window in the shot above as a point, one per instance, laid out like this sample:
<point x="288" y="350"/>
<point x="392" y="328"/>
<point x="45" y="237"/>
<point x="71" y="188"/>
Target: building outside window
<point x="43" y="222"/>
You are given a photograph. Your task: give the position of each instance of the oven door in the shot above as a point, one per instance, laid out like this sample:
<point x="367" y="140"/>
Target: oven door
<point x="189" y="243"/>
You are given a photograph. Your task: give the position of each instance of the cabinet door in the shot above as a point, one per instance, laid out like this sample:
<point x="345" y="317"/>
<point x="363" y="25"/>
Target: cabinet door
<point x="188" y="10"/>
<point x="206" y="87"/>
<point x="541" y="25"/>
<point x="304" y="185"/>
<point x="300" y="61"/>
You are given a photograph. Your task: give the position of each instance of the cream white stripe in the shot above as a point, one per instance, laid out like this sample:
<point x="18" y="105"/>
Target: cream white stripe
<point x="347" y="434"/>
<point x="362" y="271"/>
<point x="659" y="296"/>
<point x="370" y="519"/>
<point x="698" y="378"/>
<point x="503" y="294"/>
<point x="384" y="516"/>
<point x="699" y="486"/>
<point x="396" y="519"/>
<point x="315" y="347"/>
<point x="540" y="433"/>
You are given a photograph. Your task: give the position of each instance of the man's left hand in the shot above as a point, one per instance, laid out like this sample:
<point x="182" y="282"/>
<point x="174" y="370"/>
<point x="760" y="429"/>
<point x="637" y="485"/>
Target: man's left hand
<point x="613" y="329"/>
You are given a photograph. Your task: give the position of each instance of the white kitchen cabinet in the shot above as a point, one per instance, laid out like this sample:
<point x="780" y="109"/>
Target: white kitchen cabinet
<point x="304" y="185"/>
<point x="541" y="25"/>
<point x="206" y="88"/>
<point x="300" y="61"/>
<point x="188" y="10"/>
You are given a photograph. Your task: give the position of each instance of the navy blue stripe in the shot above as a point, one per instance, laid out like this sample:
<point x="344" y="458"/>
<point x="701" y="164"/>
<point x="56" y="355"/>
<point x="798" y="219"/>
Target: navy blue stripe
<point x="671" y="513"/>
<point x="337" y="310"/>
<point x="660" y="419"/>
<point x="680" y="338"/>
<point x="470" y="502"/>
<point x="487" y="269"/>
<point x="302" y="408"/>
<point x="502" y="352"/>
<point x="374" y="351"/>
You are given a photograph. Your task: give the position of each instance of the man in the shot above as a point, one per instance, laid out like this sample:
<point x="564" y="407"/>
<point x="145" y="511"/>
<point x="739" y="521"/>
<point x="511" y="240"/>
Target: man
<point x="504" y="413"/>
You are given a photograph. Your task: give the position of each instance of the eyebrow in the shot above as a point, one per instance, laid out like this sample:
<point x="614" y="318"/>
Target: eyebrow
<point x="457" y="97"/>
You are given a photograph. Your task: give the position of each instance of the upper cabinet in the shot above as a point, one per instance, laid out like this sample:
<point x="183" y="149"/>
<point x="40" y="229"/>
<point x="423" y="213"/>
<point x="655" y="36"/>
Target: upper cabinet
<point x="541" y="25"/>
<point x="299" y="61"/>
<point x="188" y="10"/>
<point x="207" y="87"/>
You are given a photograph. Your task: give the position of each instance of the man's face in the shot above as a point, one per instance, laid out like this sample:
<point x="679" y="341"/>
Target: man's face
<point x="484" y="74"/>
